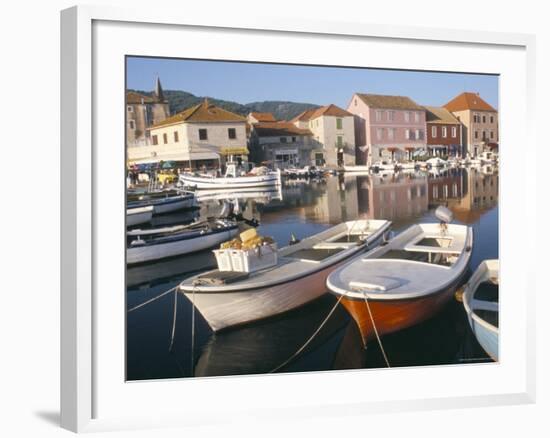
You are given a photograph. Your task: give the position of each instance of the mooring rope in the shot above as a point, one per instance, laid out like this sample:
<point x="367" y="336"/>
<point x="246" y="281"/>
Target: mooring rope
<point x="376" y="332"/>
<point x="297" y="352"/>
<point x="174" y="320"/>
<point x="152" y="299"/>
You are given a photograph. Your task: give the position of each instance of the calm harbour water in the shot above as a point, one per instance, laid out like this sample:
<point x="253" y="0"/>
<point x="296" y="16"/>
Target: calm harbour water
<point x="304" y="208"/>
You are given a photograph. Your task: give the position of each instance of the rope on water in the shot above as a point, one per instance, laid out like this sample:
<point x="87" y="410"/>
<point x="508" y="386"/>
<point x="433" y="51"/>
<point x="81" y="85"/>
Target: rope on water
<point x="152" y="299"/>
<point x="376" y="332"/>
<point x="174" y="320"/>
<point x="291" y="358"/>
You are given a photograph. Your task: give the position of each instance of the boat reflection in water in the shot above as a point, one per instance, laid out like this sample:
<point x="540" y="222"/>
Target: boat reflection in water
<point x="303" y="209"/>
<point x="263" y="347"/>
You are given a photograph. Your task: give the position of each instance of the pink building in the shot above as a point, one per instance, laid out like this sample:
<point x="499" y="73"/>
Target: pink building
<point x="387" y="127"/>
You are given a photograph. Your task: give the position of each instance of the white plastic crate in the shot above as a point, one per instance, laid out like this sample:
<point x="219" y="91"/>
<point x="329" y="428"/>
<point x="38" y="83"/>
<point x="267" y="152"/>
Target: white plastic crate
<point x="251" y="260"/>
<point x="223" y="258"/>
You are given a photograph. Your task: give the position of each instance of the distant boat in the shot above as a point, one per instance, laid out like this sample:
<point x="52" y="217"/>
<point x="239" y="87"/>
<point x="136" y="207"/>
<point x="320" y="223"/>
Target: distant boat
<point x="158" y="243"/>
<point x="384" y="166"/>
<point x="138" y="215"/>
<point x="480" y="301"/>
<point x="162" y="201"/>
<point x="234" y="178"/>
<point x="436" y="162"/>
<point x="357" y="168"/>
<point x="228" y="298"/>
<point x="406" y="281"/>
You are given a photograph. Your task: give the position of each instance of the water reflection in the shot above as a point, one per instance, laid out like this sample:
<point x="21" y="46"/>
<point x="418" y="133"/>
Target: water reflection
<point x="305" y="208"/>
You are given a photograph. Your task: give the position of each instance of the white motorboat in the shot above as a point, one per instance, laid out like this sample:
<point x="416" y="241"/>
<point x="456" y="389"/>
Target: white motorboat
<point x="234" y="178"/>
<point x="138" y="215"/>
<point x="480" y="301"/>
<point x="357" y="168"/>
<point x="229" y="298"/>
<point x="158" y="243"/>
<point x="162" y="201"/>
<point x="263" y="195"/>
<point x="436" y="162"/>
<point x="406" y="281"/>
<point x="384" y="166"/>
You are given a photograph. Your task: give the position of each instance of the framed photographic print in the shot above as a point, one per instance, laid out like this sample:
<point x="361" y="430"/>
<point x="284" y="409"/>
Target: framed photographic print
<point x="270" y="208"/>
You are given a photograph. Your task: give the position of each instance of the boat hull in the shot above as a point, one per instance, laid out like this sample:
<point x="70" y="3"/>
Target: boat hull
<point x="199" y="182"/>
<point x="167" y="205"/>
<point x="393" y="315"/>
<point x="147" y="253"/>
<point x="138" y="216"/>
<point x="223" y="310"/>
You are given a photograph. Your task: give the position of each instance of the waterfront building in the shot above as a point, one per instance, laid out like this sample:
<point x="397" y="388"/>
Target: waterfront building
<point x="201" y="136"/>
<point x="143" y="112"/>
<point x="443" y="132"/>
<point x="387" y="127"/>
<point x="332" y="131"/>
<point x="282" y="144"/>
<point x="479" y="122"/>
<point x="256" y="117"/>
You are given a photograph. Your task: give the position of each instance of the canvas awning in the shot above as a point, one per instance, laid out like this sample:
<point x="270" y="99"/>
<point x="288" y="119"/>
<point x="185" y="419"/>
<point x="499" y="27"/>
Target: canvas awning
<point x="242" y="150"/>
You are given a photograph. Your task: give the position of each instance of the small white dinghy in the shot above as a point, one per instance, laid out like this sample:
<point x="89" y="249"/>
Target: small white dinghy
<point x="158" y="243"/>
<point x="230" y="298"/>
<point x="138" y="215"/>
<point x="162" y="201"/>
<point x="406" y="281"/>
<point x="480" y="301"/>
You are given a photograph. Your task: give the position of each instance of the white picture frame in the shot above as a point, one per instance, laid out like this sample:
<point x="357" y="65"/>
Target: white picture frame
<point x="87" y="374"/>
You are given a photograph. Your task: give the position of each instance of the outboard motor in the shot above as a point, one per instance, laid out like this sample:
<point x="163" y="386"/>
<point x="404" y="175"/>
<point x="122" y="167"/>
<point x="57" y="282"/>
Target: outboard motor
<point x="445" y="216"/>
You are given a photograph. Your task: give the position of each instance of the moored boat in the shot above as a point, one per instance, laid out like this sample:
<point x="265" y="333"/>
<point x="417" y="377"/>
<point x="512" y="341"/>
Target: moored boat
<point x="406" y="281"/>
<point x="158" y="243"/>
<point x="357" y="168"/>
<point x="480" y="301"/>
<point x="138" y="215"/>
<point x="234" y="178"/>
<point x="230" y="298"/>
<point x="162" y="201"/>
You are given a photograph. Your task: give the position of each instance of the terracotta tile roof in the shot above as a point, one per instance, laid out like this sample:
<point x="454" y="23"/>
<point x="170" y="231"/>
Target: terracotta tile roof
<point x="468" y="101"/>
<point x="389" y="102"/>
<point x="328" y="110"/>
<point x="263" y="117"/>
<point x="203" y="113"/>
<point x="439" y="115"/>
<point x="274" y="129"/>
<point x="136" y="98"/>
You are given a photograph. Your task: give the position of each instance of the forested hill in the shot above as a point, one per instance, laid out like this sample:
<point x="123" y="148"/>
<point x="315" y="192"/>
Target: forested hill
<point x="282" y="110"/>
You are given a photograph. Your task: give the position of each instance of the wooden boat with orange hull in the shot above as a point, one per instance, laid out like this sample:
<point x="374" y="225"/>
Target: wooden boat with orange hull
<point x="405" y="282"/>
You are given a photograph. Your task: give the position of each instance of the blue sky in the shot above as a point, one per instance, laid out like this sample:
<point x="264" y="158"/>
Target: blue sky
<point x="249" y="82"/>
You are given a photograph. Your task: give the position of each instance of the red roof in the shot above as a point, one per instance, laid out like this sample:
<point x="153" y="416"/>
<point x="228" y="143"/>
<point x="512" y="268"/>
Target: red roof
<point x="328" y="110"/>
<point x="468" y="101"/>
<point x="263" y="117"/>
<point x="275" y="129"/>
<point x="203" y="113"/>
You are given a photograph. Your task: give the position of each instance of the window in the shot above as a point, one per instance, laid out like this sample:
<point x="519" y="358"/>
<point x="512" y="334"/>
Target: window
<point x="293" y="139"/>
<point x="483" y="118"/>
<point x="380" y="155"/>
<point x="492" y="120"/>
<point x="435" y="192"/>
<point x="476" y="134"/>
<point x="176" y="137"/>
<point x="130" y="109"/>
<point x="165" y="138"/>
<point x="378" y="116"/>
<point x="408" y="134"/>
<point x="203" y="135"/>
<point x="444" y="131"/>
<point x="339" y="141"/>
<point x="338" y="123"/>
<point x="391" y="115"/>
<point x="232" y="133"/>
<point x="282" y="139"/>
<point x="155" y="140"/>
<point x="391" y="133"/>
<point x="379" y="133"/>
<point x="476" y="118"/>
<point x="418" y="134"/>
<point x="434" y="131"/>
<point x="453" y="132"/>
<point x="132" y="124"/>
<point x="417" y="117"/>
<point x="407" y="116"/>
<point x="492" y="135"/>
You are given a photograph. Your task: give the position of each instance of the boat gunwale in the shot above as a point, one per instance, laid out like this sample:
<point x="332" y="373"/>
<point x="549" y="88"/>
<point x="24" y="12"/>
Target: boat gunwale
<point x="187" y="287"/>
<point x="470" y="290"/>
<point x="359" y="295"/>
